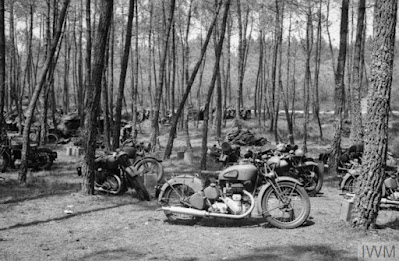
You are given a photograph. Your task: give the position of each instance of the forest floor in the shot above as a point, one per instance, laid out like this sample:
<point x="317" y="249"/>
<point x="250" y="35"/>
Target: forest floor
<point x="49" y="219"/>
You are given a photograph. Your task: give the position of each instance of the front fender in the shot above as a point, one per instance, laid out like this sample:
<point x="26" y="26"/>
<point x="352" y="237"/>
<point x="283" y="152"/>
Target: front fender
<point x="189" y="180"/>
<point x="319" y="165"/>
<point x="350" y="174"/>
<point x="266" y="186"/>
<point x="146" y="157"/>
<point x="131" y="171"/>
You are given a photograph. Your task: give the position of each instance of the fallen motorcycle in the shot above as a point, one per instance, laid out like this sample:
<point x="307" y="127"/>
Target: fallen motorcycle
<point x="234" y="192"/>
<point x="38" y="158"/>
<point x="114" y="174"/>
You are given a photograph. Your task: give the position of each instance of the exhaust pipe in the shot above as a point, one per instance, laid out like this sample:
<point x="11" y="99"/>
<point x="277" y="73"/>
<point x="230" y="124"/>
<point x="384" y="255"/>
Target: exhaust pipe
<point x="204" y="213"/>
<point x="387" y="201"/>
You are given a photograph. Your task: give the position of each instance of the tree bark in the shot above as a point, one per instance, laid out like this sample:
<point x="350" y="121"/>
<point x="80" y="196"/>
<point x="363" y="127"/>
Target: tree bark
<point x="368" y="191"/>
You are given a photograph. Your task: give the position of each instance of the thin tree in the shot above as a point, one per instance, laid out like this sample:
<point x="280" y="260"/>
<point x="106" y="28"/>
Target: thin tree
<point x="368" y="191"/>
<point x="2" y="69"/>
<point x="356" y="134"/>
<point x="339" y="89"/>
<point x="158" y="91"/>
<point x="212" y="86"/>
<point x="94" y="94"/>
<point x="36" y="92"/>
<point x="122" y="78"/>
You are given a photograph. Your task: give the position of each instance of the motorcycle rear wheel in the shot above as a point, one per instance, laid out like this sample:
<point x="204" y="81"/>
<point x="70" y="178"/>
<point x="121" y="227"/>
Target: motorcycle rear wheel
<point x="176" y="196"/>
<point x="290" y="209"/>
<point x="137" y="184"/>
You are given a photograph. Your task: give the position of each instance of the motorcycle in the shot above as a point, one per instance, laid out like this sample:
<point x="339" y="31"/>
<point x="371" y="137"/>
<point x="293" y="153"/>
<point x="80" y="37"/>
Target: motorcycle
<point x="226" y="154"/>
<point x="390" y="186"/>
<point x="144" y="164"/>
<point x="295" y="164"/>
<point x="114" y="174"/>
<point x="235" y="192"/>
<point x="37" y="157"/>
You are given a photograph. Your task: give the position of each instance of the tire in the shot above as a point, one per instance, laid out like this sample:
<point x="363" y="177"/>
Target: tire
<point x="4" y="162"/>
<point x="349" y="185"/>
<point x="275" y="211"/>
<point x="138" y="185"/>
<point x="314" y="180"/>
<point x="149" y="165"/>
<point x="176" y="196"/>
<point x="52" y="141"/>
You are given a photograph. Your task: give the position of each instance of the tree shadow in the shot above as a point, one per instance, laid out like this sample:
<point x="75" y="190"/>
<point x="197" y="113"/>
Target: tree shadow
<point x="320" y="252"/>
<point x="68" y="216"/>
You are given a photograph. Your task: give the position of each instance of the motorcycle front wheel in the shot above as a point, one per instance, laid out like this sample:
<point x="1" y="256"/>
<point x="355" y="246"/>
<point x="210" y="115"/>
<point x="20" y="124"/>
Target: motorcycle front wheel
<point x="349" y="185"/>
<point x="313" y="181"/>
<point x="137" y="184"/>
<point x="148" y="165"/>
<point x="176" y="195"/>
<point x="287" y="208"/>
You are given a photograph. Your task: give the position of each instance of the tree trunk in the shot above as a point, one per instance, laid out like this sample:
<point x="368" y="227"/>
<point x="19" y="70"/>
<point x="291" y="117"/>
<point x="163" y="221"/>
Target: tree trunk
<point x="339" y="90"/>
<point x="368" y="192"/>
<point x="36" y="93"/>
<point x="2" y="70"/>
<point x="94" y="95"/>
<point x="356" y="135"/>
<point x="122" y="79"/>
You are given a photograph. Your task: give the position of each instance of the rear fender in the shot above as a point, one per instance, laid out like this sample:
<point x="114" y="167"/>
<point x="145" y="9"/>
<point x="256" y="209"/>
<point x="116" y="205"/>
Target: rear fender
<point x="189" y="180"/>
<point x="266" y="186"/>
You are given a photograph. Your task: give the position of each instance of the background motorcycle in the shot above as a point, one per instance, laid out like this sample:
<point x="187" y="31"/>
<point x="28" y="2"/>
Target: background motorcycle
<point x="234" y="192"/>
<point x="37" y="157"/>
<point x="114" y="174"/>
<point x="295" y="164"/>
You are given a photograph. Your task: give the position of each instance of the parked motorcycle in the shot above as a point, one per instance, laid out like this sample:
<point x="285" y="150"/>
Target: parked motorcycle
<point x="144" y="164"/>
<point x="37" y="157"/>
<point x="234" y="193"/>
<point x="295" y="164"/>
<point x="225" y="154"/>
<point x="114" y="174"/>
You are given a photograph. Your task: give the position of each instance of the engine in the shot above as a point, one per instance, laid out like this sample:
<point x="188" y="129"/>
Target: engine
<point x="231" y="200"/>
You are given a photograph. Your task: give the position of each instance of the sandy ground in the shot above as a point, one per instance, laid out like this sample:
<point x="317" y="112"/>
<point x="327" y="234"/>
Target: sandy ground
<point x="50" y="220"/>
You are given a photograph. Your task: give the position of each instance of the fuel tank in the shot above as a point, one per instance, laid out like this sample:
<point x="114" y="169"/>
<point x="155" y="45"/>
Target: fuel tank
<point x="239" y="173"/>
